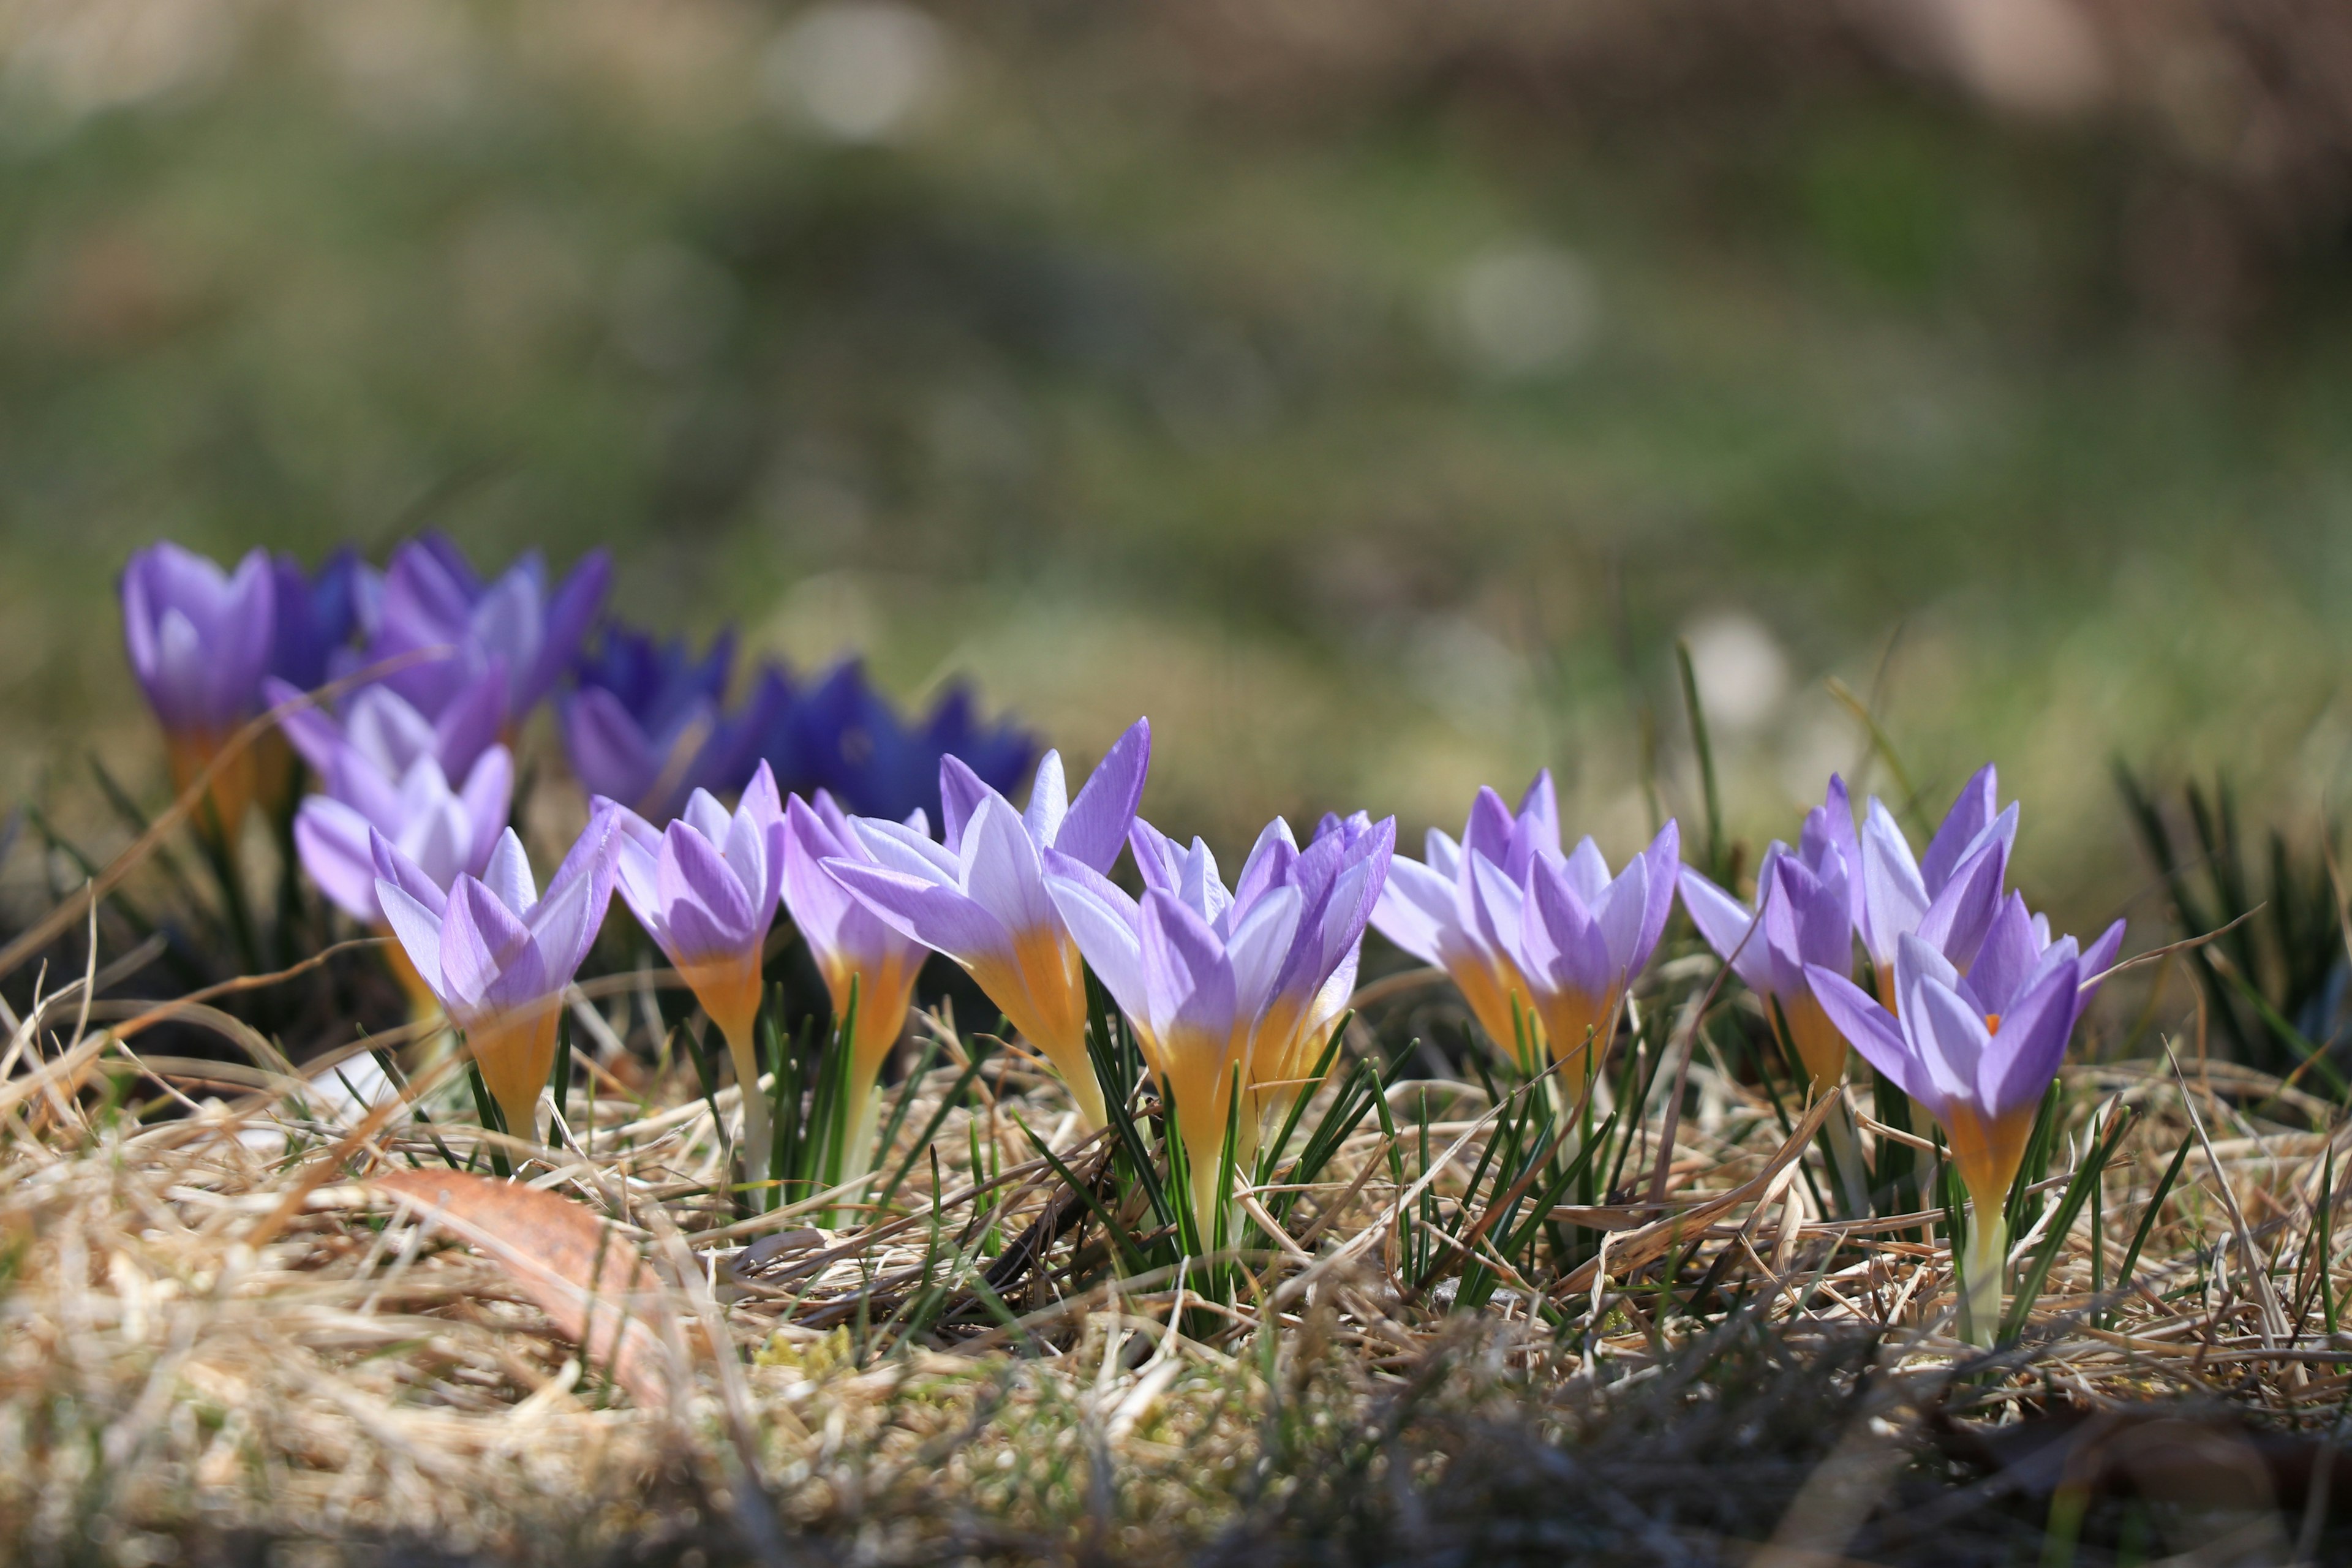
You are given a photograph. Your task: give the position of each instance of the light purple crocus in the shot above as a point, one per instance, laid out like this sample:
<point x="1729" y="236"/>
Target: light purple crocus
<point x="1440" y="907"/>
<point x="1542" y="944"/>
<point x="392" y="732"/>
<point x="1946" y="897"/>
<point x="980" y="897"/>
<point x="1978" y="1052"/>
<point x="200" y="640"/>
<point x="866" y="962"/>
<point x="1229" y="990"/>
<point x="432" y="597"/>
<point x="444" y="832"/>
<point x="705" y="888"/>
<point x="497" y="955"/>
<point x="1806" y="897"/>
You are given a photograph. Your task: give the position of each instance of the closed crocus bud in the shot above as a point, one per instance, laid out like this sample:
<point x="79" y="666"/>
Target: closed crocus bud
<point x="1978" y="1052"/>
<point x="1583" y="936"/>
<point x="200" y="640"/>
<point x="706" y="890"/>
<point x="497" y="955"/>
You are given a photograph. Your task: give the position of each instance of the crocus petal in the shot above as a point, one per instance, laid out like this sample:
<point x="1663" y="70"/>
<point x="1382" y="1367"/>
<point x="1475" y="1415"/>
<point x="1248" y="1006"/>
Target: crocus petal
<point x="1259" y="947"/>
<point x="2007" y="955"/>
<point x="1951" y="1040"/>
<point x="2097" y="961"/>
<point x="332" y="840"/>
<point x="1956" y="920"/>
<point x="2024" y="1053"/>
<point x="1726" y="924"/>
<point x="1098" y="820"/>
<point x="419" y="930"/>
<point x="960" y="793"/>
<point x="508" y="876"/>
<point x="1187" y="978"/>
<point x="1415" y="907"/>
<point x="1049" y="799"/>
<point x="1108" y="938"/>
<point x="1894" y="898"/>
<point x="1869" y="1029"/>
<point x="940" y="917"/>
<point x="1002" y="872"/>
<point x="392" y="866"/>
<point x="1971" y="813"/>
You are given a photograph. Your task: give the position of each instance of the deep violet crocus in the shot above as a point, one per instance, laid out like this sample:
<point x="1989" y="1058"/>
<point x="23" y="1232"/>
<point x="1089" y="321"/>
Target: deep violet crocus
<point x="498" y="955"/>
<point x="200" y="640"/>
<point x="1978" y="1052"/>
<point x="315" y="615"/>
<point x="867" y="963"/>
<point x="841" y="735"/>
<point x="1948" y="895"/>
<point x="518" y="621"/>
<point x="647" y="724"/>
<point x="1804" y="915"/>
<point x="706" y="889"/>
<point x="981" y="897"/>
<point x="1437" y="908"/>
<point x="1229" y="990"/>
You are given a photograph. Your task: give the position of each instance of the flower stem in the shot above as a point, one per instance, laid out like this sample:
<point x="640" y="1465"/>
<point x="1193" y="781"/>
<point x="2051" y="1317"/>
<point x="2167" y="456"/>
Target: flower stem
<point x="1845" y="1154"/>
<point x="758" y="1133"/>
<point x="1981" y="1271"/>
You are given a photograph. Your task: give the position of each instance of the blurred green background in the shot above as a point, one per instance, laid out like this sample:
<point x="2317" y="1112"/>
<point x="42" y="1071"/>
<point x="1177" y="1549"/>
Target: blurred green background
<point x="1368" y="392"/>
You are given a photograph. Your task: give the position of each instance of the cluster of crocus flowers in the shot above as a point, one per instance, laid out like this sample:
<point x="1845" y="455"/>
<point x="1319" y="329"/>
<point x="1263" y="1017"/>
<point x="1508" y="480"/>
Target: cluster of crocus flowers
<point x="1978" y="1052"/>
<point x="1946" y="897"/>
<point x="1544" y="945"/>
<point x="498" y="955"/>
<point x="706" y="889"/>
<point x="981" y="897"/>
<point x="1230" y="991"/>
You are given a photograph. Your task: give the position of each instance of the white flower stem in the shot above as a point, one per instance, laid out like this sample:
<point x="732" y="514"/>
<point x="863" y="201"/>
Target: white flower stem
<point x="1845" y="1155"/>
<point x="758" y="1136"/>
<point x="1981" y="1272"/>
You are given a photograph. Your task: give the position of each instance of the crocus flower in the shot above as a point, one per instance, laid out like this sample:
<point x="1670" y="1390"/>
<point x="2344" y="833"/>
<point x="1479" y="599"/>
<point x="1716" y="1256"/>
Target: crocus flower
<point x="1978" y="1052"/>
<point x="648" y="727"/>
<point x="200" y="640"/>
<point x="1948" y="895"/>
<point x="1229" y="990"/>
<point x="444" y="832"/>
<point x="391" y="732"/>
<point x="705" y="888"/>
<point x="1583" y="936"/>
<point x="842" y="736"/>
<point x="497" y="955"/>
<point x="980" y="897"/>
<point x="1438" y="908"/>
<point x="855" y="949"/>
<point x="315" y="615"/>
<point x="433" y="599"/>
<point x="1806" y="897"/>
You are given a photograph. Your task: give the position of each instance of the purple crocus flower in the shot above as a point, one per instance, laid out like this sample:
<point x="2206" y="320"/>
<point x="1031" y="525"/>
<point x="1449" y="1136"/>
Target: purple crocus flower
<point x="444" y="832"/>
<point x="647" y="724"/>
<point x="1583" y="936"/>
<point x="497" y="955"/>
<point x="390" y="731"/>
<point x="855" y="949"/>
<point x="316" y="614"/>
<point x="200" y="639"/>
<point x="433" y="599"/>
<point x="842" y="736"/>
<point x="1978" y="1053"/>
<point x="1948" y="895"/>
<point x="1230" y="990"/>
<point x="1806" y="897"/>
<point x="1442" y="909"/>
<point x="980" y="897"/>
<point x="705" y="888"/>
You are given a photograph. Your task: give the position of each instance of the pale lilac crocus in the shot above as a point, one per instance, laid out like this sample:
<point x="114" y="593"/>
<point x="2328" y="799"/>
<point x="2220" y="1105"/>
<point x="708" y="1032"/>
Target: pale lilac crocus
<point x="980" y="897"/>
<point x="1946" y="896"/>
<point x="200" y="640"/>
<point x="498" y="955"/>
<point x="1442" y="909"/>
<point x="1229" y="991"/>
<point x="444" y="833"/>
<point x="391" y="731"/>
<point x="1978" y="1052"/>
<point x="1584" y="936"/>
<point x="866" y="962"/>
<point x="706" y="890"/>
<point x="1806" y="900"/>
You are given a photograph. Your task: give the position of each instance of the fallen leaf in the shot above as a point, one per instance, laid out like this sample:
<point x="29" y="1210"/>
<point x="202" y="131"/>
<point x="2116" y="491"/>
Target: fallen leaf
<point x="588" y="1278"/>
